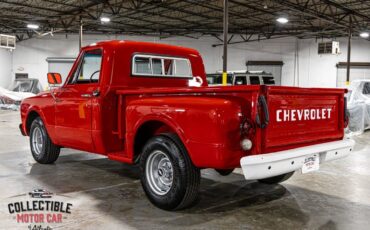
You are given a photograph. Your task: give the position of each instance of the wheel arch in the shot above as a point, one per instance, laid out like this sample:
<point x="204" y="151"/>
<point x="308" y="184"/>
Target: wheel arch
<point x="31" y="116"/>
<point x="152" y="127"/>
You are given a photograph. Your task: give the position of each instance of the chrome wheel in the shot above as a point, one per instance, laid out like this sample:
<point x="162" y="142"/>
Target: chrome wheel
<point x="37" y="141"/>
<point x="159" y="172"/>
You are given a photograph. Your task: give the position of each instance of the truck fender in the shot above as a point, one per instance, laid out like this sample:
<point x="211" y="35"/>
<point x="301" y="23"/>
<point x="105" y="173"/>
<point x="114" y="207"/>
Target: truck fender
<point x="32" y="110"/>
<point x="165" y="121"/>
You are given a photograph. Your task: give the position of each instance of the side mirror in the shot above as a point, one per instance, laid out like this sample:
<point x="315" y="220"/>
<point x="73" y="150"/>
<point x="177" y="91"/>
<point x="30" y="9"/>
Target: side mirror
<point x="54" y="78"/>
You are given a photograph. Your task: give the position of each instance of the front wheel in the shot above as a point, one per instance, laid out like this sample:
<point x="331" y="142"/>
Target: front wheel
<point x="42" y="148"/>
<point x="169" y="178"/>
<point x="276" y="179"/>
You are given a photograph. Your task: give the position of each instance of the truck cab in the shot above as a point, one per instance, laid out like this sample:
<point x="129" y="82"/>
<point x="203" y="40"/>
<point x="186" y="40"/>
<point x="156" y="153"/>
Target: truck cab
<point x="150" y="104"/>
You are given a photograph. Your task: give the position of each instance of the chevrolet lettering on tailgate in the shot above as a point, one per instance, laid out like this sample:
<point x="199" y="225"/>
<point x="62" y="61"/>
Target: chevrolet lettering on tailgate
<point x="302" y="114"/>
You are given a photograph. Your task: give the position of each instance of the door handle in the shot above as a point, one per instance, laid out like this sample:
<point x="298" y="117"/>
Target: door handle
<point x="86" y="95"/>
<point x="96" y="93"/>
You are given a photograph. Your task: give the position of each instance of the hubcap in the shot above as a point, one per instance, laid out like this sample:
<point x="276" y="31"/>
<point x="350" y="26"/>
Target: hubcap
<point x="37" y="140"/>
<point x="159" y="172"/>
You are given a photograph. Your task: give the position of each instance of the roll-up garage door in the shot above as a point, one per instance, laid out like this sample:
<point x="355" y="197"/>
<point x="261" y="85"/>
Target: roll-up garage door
<point x="273" y="67"/>
<point x="358" y="70"/>
<point x="60" y="65"/>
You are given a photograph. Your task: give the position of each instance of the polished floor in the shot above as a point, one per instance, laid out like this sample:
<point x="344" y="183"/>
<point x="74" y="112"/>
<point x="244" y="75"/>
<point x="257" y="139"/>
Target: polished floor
<point x="108" y="195"/>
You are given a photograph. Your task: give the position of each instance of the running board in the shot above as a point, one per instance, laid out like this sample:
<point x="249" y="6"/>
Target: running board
<point x="118" y="156"/>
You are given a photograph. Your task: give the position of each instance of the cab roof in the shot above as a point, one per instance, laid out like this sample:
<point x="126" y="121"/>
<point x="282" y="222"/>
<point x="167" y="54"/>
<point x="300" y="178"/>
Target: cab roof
<point x="114" y="44"/>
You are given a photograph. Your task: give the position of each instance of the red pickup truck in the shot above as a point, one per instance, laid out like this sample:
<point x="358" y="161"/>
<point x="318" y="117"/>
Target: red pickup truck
<point x="149" y="104"/>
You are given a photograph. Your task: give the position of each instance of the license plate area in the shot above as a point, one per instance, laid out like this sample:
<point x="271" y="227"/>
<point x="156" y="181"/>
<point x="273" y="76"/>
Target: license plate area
<point x="311" y="163"/>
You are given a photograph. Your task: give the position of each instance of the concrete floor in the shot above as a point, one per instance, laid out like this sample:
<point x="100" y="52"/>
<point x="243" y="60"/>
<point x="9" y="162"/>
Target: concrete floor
<point x="108" y="195"/>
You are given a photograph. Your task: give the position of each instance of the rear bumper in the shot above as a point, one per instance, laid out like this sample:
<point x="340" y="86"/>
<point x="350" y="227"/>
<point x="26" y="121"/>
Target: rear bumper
<point x="277" y="163"/>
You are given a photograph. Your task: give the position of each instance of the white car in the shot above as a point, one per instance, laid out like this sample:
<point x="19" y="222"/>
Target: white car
<point x="20" y="89"/>
<point x="358" y="104"/>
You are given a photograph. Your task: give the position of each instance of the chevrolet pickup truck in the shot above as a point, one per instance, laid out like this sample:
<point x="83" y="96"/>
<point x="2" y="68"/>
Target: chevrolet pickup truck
<point x="149" y="104"/>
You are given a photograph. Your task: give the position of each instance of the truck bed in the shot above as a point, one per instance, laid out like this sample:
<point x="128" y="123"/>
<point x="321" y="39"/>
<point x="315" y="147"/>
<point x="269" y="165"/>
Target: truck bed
<point x="297" y="116"/>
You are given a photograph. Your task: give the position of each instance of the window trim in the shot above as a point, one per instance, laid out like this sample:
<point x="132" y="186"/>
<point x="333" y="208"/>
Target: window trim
<point x="162" y="58"/>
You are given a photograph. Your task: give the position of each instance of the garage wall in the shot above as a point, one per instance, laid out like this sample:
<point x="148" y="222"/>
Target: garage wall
<point x="310" y="69"/>
<point x="5" y="67"/>
<point x="320" y="70"/>
<point x="30" y="56"/>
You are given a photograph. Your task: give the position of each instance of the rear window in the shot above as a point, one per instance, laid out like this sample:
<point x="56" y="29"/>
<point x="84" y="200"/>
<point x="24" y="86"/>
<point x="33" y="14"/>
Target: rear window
<point x="255" y="80"/>
<point x="153" y="65"/>
<point x="268" y="80"/>
<point x="142" y="65"/>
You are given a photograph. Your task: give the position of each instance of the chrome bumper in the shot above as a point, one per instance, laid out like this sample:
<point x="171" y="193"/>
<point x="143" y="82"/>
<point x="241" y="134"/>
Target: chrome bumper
<point x="277" y="163"/>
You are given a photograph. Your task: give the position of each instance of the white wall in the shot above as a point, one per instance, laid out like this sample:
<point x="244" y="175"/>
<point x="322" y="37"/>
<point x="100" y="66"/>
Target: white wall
<point x="320" y="70"/>
<point x="313" y="70"/>
<point x="5" y="67"/>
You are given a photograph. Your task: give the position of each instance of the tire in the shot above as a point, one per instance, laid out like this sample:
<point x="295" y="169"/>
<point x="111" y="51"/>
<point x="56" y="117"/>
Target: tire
<point x="42" y="148"/>
<point x="276" y="179"/>
<point x="224" y="172"/>
<point x="169" y="178"/>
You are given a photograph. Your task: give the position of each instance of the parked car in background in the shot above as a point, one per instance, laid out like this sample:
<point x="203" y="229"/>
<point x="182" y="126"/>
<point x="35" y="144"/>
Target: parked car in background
<point x="242" y="77"/>
<point x="26" y="85"/>
<point x="253" y="78"/>
<point x="358" y="99"/>
<point x="20" y="89"/>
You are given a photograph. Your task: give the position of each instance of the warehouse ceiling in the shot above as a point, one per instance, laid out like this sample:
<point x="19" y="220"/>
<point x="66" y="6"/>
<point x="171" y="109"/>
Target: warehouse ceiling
<point x="248" y="20"/>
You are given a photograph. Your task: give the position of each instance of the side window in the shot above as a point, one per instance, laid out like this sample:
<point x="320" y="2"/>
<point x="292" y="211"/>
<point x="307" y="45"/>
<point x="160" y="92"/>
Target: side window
<point x="268" y="80"/>
<point x="240" y="80"/>
<point x="88" y="70"/>
<point x="229" y="79"/>
<point x="160" y="66"/>
<point x="366" y="89"/>
<point x="255" y="80"/>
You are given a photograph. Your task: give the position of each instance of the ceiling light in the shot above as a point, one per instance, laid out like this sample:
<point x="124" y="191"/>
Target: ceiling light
<point x="104" y="19"/>
<point x="33" y="26"/>
<point x="282" y="20"/>
<point x="364" y="34"/>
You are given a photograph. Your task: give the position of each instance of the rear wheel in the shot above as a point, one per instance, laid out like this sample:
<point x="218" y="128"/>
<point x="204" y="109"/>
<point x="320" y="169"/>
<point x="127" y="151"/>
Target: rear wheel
<point x="42" y="148"/>
<point x="276" y="179"/>
<point x="169" y="178"/>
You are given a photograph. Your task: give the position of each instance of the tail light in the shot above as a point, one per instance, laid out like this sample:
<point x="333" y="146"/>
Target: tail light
<point x="247" y="131"/>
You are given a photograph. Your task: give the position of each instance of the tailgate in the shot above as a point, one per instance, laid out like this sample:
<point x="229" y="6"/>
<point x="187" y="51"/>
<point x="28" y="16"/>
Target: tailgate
<point x="302" y="116"/>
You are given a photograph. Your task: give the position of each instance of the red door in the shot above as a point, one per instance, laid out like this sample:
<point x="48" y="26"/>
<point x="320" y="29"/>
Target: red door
<point x="73" y="110"/>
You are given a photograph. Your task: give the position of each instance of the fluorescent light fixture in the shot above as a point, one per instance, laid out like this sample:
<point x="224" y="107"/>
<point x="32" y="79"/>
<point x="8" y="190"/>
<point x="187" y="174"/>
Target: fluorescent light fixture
<point x="33" y="26"/>
<point x="364" y="34"/>
<point x="282" y="20"/>
<point x="104" y="19"/>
